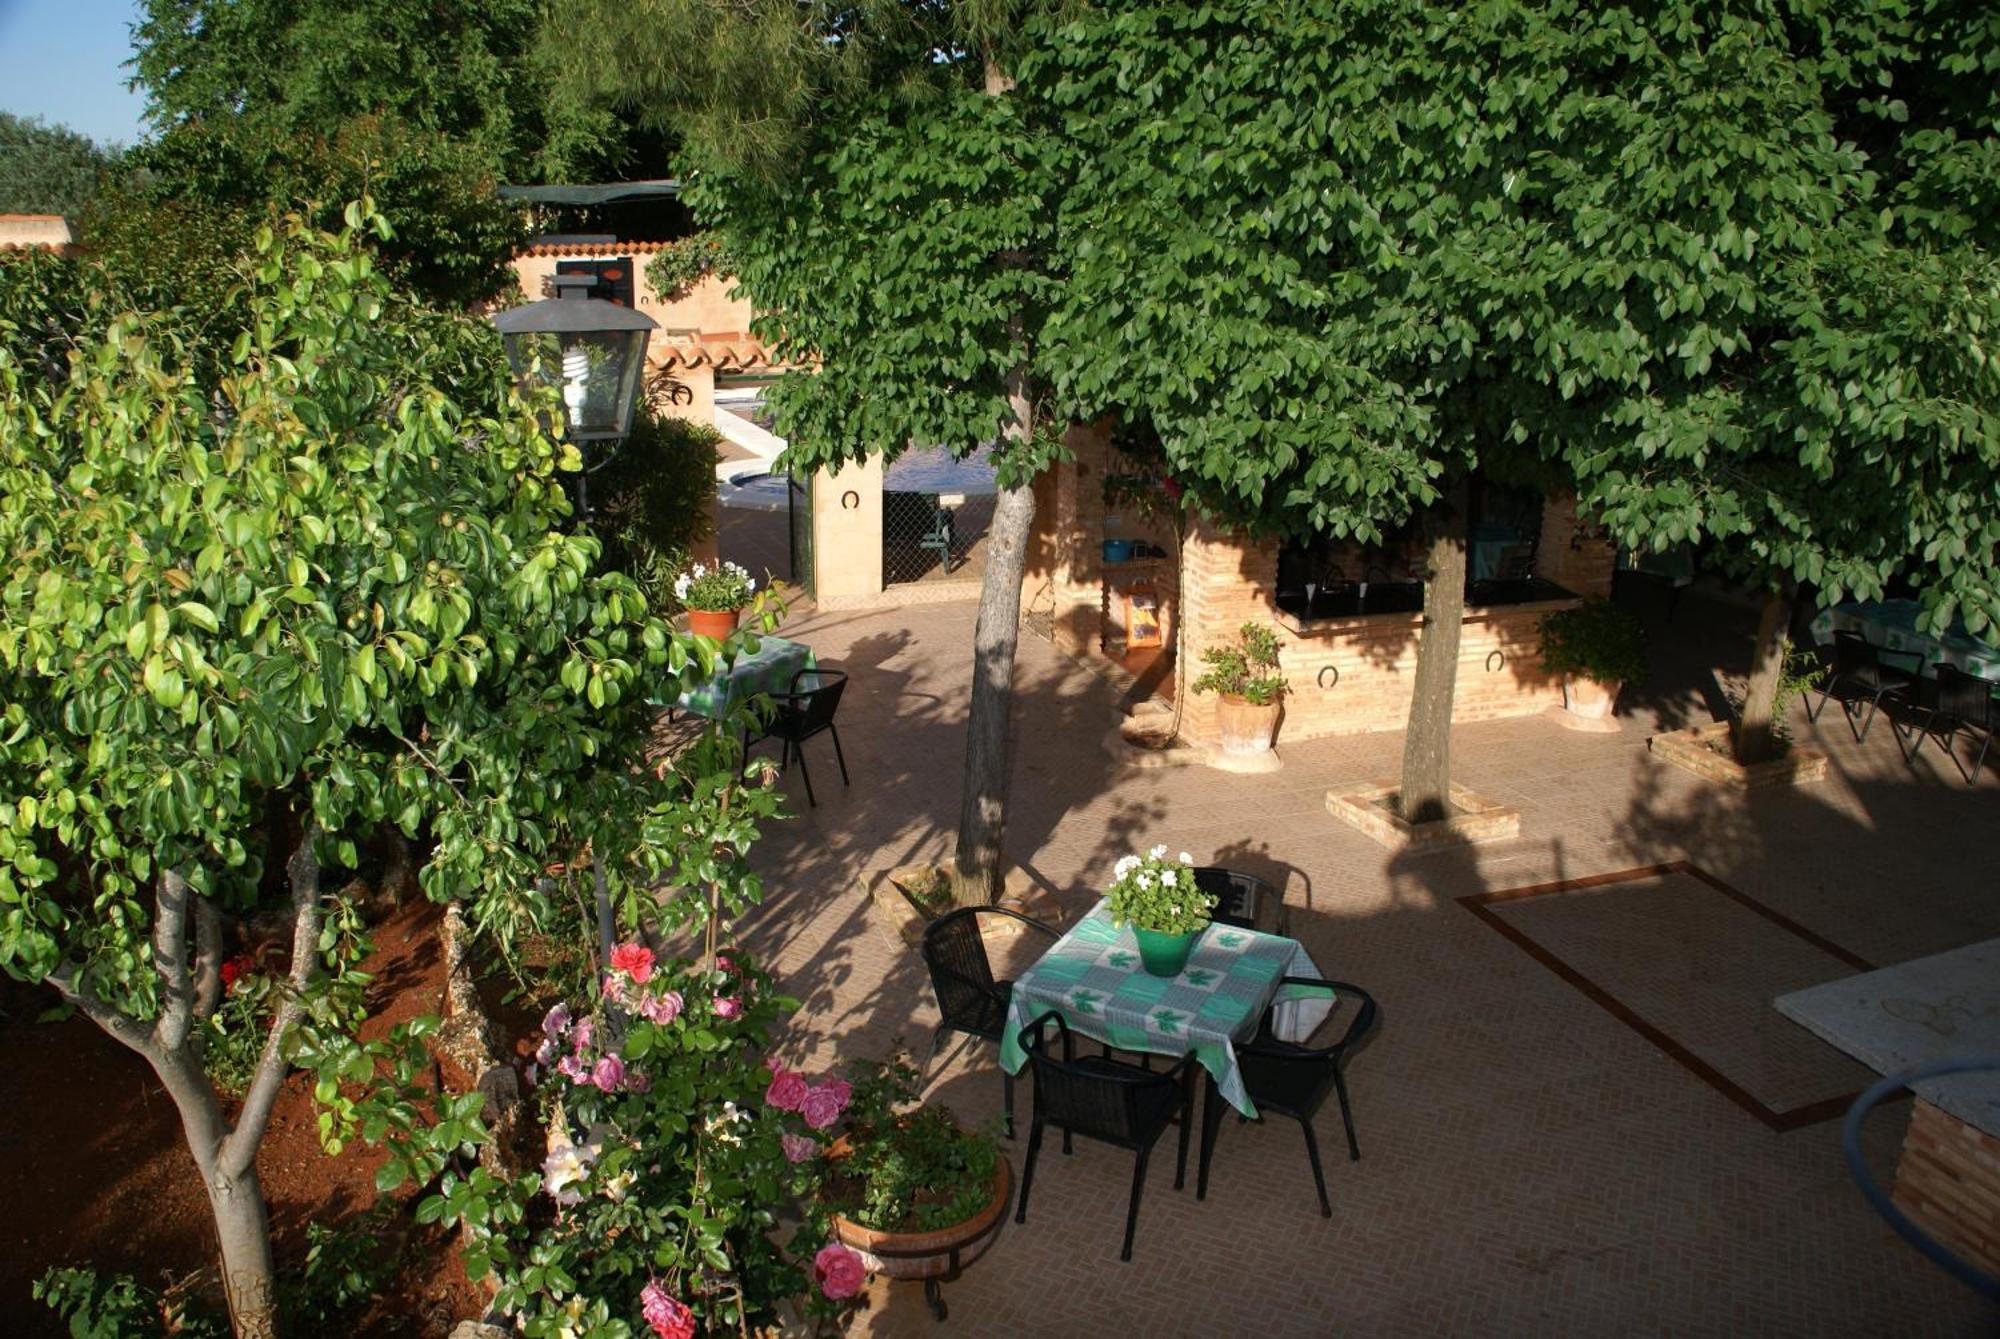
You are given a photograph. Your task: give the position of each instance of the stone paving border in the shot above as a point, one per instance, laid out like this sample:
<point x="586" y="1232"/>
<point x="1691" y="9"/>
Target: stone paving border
<point x="1481" y="905"/>
<point x="1478" y="819"/>
<point x="1693" y="750"/>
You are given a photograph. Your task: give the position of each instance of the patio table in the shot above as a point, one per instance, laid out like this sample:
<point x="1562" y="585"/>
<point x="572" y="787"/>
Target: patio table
<point x="768" y="669"/>
<point x="1093" y="977"/>
<point x="1892" y="626"/>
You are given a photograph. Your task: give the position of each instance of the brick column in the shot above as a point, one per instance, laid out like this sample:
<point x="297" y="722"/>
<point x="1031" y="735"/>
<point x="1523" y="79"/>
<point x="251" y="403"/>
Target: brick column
<point x="1077" y="575"/>
<point x="1226" y="581"/>
<point x="1949" y="1181"/>
<point x="1573" y="554"/>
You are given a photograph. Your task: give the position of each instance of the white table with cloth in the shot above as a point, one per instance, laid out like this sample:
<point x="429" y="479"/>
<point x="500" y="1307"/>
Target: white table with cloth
<point x="1092" y="976"/>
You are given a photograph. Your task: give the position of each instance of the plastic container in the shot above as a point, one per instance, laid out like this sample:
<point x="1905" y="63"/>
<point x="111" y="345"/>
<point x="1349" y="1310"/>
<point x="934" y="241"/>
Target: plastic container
<point x="1119" y="550"/>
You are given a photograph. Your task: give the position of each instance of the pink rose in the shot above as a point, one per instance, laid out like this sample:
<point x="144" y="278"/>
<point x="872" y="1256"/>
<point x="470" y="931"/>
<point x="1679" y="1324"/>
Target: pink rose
<point x="637" y="1081"/>
<point x="662" y="1009"/>
<point x="669" y="1317"/>
<point x="838" y="1271"/>
<point x="614" y="987"/>
<point x="841" y="1089"/>
<point x="728" y="1006"/>
<point x="799" y="1147"/>
<point x="635" y="960"/>
<point x="585" y="1032"/>
<point x="725" y="963"/>
<point x="821" y="1107"/>
<point x="610" y="1072"/>
<point x="572" y="1068"/>
<point x="786" y="1092"/>
<point x="557" y="1020"/>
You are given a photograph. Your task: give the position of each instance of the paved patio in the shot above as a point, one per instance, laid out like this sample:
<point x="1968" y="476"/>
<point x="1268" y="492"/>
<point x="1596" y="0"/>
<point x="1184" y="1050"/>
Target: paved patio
<point x="1531" y="1164"/>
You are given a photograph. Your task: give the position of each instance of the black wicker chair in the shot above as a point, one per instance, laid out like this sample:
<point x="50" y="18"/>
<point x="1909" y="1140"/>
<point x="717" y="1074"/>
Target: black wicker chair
<point x="807" y="710"/>
<point x="1108" y="1101"/>
<point x="1857" y="674"/>
<point x="1955" y="702"/>
<point x="1241" y="899"/>
<point x="972" y="1002"/>
<point x="1292" y="1080"/>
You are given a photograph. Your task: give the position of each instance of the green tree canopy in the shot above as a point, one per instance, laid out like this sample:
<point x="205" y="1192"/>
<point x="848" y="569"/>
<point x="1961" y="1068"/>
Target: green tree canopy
<point x="329" y="574"/>
<point x="47" y="169"/>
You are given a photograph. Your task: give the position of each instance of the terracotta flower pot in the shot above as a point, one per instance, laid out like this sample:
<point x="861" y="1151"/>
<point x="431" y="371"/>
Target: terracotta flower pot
<point x="931" y="1255"/>
<point x="716" y="623"/>
<point x="1245" y="726"/>
<point x="1588" y="698"/>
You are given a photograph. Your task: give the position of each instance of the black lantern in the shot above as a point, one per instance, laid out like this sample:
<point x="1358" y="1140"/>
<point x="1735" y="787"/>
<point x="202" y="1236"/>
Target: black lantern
<point x="594" y="352"/>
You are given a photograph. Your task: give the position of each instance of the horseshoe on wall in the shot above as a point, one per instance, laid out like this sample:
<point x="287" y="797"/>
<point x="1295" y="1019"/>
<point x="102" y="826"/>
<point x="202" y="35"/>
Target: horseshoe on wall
<point x="1325" y="670"/>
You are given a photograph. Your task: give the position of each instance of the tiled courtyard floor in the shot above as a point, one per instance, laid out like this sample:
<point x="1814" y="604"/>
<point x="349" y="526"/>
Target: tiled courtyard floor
<point x="1531" y="1165"/>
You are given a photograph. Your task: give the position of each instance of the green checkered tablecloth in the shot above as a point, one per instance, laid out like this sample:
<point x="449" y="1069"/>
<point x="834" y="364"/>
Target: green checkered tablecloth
<point x="1094" y="978"/>
<point x="768" y="669"/>
<point x="1892" y="626"/>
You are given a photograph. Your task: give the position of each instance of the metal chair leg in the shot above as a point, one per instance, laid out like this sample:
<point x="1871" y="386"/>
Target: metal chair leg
<point x="1187" y="1121"/>
<point x="799" y="751"/>
<point x="1211" y="1126"/>
<point x="1346" y="1116"/>
<point x="1028" y="1170"/>
<point x="1319" y="1177"/>
<point x="839" y="757"/>
<point x="1132" y="1211"/>
<point x="1007" y="1103"/>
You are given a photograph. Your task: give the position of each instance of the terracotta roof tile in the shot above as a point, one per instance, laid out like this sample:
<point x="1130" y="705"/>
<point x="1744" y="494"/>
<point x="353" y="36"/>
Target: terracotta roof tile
<point x="606" y="249"/>
<point x="738" y="352"/>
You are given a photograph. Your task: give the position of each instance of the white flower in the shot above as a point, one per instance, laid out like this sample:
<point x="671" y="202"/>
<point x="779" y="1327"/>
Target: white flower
<point x="565" y="1168"/>
<point x="1145" y="879"/>
<point x="1158" y="852"/>
<point x="1125" y="865"/>
<point x="1168" y="879"/>
<point x="1186" y="859"/>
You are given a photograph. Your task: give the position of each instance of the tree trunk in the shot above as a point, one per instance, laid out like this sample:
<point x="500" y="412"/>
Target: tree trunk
<point x="1425" y="792"/>
<point x="982" y="811"/>
<point x="1756" y="733"/>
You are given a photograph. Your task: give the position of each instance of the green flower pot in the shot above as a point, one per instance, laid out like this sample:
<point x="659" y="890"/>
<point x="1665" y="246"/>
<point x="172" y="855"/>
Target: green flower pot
<point x="1165" y="955"/>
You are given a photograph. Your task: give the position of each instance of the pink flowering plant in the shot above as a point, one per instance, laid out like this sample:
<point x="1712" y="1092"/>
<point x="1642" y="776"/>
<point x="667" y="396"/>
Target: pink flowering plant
<point x="668" y="1201"/>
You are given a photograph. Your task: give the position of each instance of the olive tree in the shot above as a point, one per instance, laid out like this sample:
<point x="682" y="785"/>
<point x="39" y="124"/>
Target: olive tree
<point x="334" y="581"/>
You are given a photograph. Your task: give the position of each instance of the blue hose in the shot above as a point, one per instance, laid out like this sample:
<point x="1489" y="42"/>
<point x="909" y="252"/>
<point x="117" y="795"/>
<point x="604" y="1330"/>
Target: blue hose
<point x="1850" y="1144"/>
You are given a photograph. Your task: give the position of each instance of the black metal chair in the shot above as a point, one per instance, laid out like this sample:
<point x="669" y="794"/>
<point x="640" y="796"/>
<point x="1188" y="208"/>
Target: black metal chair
<point x="806" y="710"/>
<point x="1293" y="1080"/>
<point x="1857" y="673"/>
<point x="1240" y="899"/>
<point x="970" y="999"/>
<point x="1108" y="1101"/>
<point x="1954" y="702"/>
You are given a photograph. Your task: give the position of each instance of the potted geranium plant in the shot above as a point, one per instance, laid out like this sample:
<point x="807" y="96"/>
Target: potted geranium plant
<point x="918" y="1195"/>
<point x="1598" y="648"/>
<point x="715" y="597"/>
<point x="1160" y="900"/>
<point x="1250" y="684"/>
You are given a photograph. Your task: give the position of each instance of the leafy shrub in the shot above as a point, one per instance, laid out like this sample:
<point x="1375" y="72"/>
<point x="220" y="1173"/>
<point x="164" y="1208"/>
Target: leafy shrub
<point x="97" y="1307"/>
<point x="346" y="1268"/>
<point x="1597" y="640"/>
<point x="906" y="1170"/>
<point x="679" y="266"/>
<point x="654" y="500"/>
<point x="1248" y="670"/>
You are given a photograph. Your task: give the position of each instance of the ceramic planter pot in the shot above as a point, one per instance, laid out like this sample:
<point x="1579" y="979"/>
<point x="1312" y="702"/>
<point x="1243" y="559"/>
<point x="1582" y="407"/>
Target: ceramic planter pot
<point x="1246" y="727"/>
<point x="931" y="1255"/>
<point x="1588" y="698"/>
<point x="1164" y="954"/>
<point x="716" y="623"/>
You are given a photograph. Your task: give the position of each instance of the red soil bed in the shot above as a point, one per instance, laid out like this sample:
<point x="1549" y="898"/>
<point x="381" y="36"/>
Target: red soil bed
<point x="93" y="1169"/>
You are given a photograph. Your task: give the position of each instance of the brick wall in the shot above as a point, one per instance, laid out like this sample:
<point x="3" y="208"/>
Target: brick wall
<point x="1573" y="554"/>
<point x="1949" y="1181"/>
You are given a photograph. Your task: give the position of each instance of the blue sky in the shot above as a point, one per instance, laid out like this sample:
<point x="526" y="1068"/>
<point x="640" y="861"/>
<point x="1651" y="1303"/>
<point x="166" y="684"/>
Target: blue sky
<point x="61" y="60"/>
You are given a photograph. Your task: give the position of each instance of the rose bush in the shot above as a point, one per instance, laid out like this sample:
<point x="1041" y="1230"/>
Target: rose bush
<point x="674" y="1149"/>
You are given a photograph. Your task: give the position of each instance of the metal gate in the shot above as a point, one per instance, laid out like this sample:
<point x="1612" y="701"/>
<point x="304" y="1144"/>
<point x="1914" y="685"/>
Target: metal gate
<point x="799" y="516"/>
